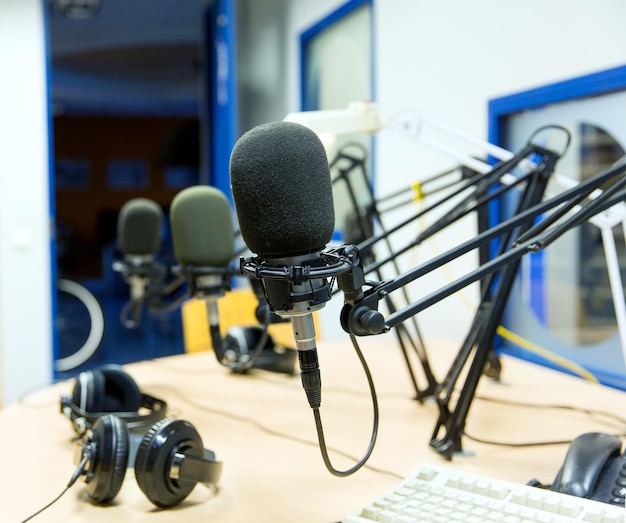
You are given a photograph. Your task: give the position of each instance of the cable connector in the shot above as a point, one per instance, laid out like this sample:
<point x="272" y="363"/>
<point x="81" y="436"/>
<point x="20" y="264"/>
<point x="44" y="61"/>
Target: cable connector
<point x="310" y="375"/>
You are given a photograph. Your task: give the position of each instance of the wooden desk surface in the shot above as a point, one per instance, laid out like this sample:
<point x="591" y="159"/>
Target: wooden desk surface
<point x="262" y="428"/>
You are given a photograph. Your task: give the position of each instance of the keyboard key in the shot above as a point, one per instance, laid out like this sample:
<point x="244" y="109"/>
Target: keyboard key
<point x="535" y="500"/>
<point x="498" y="491"/>
<point x="427" y="473"/>
<point x="551" y="505"/>
<point x="386" y="516"/>
<point x="371" y="512"/>
<point x="613" y="518"/>
<point x="594" y="515"/>
<point x="570" y="509"/>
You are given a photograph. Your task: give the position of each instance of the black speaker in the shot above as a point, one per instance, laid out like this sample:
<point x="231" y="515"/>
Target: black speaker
<point x="109" y="389"/>
<point x="169" y="462"/>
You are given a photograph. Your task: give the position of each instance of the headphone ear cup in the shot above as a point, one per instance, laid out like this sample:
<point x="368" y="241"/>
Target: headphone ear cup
<point x="106" y="389"/>
<point x="110" y="460"/>
<point x="154" y="458"/>
<point x="88" y="391"/>
<point x="119" y="393"/>
<point x="243" y="340"/>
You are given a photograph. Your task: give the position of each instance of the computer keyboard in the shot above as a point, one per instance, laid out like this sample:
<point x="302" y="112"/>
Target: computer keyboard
<point x="438" y="494"/>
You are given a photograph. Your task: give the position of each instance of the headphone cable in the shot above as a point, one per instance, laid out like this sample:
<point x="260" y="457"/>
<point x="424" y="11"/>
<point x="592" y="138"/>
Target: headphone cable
<point x="47" y="506"/>
<point x="76" y="474"/>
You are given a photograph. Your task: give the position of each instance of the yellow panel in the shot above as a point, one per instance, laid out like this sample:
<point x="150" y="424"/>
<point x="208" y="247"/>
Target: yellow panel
<point x="236" y="308"/>
<point x="195" y="326"/>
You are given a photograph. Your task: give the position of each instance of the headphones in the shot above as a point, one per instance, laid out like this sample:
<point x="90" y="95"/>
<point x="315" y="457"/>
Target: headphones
<point x="109" y="389"/>
<point x="241" y="344"/>
<point x="170" y="460"/>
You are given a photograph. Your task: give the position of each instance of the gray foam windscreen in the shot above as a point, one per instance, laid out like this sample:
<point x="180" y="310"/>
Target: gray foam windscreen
<point x="202" y="227"/>
<point x="282" y="190"/>
<point x="139" y="227"/>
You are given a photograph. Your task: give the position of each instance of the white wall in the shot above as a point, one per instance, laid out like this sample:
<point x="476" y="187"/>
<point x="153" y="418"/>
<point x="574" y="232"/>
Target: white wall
<point x="447" y="59"/>
<point x="261" y="66"/>
<point x="301" y="15"/>
<point x="25" y="311"/>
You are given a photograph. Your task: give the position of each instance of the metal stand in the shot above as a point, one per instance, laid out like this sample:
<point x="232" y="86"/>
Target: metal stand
<point x="364" y="221"/>
<point x="496" y="290"/>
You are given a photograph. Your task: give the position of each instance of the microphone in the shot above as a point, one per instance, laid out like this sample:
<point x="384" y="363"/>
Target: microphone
<point x="202" y="228"/>
<point x="282" y="190"/>
<point x="139" y="240"/>
<point x="204" y="245"/>
<point x="139" y="229"/>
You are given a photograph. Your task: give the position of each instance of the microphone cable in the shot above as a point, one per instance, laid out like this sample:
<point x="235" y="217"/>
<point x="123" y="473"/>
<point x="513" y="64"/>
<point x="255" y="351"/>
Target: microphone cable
<point x="320" y="429"/>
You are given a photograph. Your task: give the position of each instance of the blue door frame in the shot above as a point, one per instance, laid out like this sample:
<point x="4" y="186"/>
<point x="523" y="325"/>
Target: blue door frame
<point x="222" y="96"/>
<point x="219" y="108"/>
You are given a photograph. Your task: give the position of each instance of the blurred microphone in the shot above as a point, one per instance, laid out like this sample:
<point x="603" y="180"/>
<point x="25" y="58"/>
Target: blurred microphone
<point x="281" y="185"/>
<point x="204" y="245"/>
<point x="139" y="241"/>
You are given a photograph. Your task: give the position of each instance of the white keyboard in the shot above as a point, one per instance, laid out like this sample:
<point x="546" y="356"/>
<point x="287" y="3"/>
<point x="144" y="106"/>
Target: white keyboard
<point x="437" y="494"/>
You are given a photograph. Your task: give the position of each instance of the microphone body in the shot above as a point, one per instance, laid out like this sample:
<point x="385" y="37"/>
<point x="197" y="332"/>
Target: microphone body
<point x="282" y="190"/>
<point x="204" y="245"/>
<point x="280" y="179"/>
<point x="283" y="197"/>
<point x="139" y="241"/>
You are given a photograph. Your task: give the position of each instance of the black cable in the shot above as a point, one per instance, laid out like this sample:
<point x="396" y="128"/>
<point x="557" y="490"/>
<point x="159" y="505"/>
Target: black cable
<point x="320" y="430"/>
<point x="77" y="473"/>
<point x="522" y="444"/>
<point x="568" y="135"/>
<point x="47" y="506"/>
<point x="269" y="378"/>
<point x="593" y="413"/>
<point x="589" y="412"/>
<point x="515" y="444"/>
<point x="268" y="430"/>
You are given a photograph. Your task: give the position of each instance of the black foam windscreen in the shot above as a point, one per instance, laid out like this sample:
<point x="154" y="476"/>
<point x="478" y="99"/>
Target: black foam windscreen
<point x="202" y="227"/>
<point x="281" y="185"/>
<point x="139" y="227"/>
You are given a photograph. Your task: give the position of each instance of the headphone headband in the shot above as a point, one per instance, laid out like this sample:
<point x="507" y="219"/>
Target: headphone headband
<point x="83" y="420"/>
<point x="205" y="470"/>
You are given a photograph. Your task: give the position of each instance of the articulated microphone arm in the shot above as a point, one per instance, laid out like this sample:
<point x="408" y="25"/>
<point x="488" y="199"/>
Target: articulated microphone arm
<point x="360" y="315"/>
<point x="535" y="239"/>
<point x="486" y="187"/>
<point x="483" y="188"/>
<point x="346" y="163"/>
<point x="484" y="192"/>
<point x="479" y="197"/>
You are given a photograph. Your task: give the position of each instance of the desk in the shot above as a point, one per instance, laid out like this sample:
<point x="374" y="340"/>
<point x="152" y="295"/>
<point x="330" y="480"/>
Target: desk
<point x="277" y="474"/>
